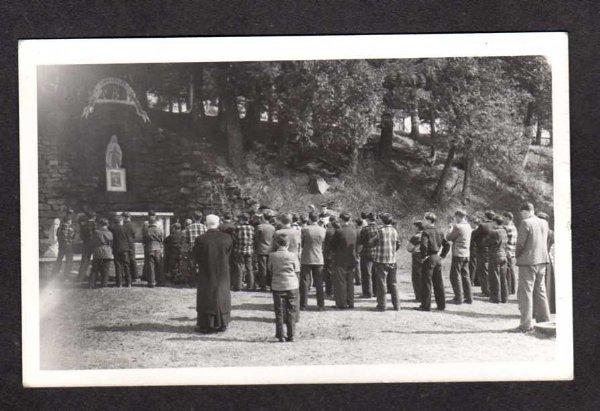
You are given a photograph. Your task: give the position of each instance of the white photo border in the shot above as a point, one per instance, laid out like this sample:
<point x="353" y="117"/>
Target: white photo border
<point x="552" y="45"/>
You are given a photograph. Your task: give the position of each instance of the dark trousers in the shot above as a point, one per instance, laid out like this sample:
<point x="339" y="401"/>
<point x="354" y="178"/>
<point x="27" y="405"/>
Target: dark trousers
<point x="431" y="274"/>
<point x="100" y="267"/>
<point x="173" y="261"/>
<point x="416" y="275"/>
<point x="366" y="274"/>
<point x="460" y="279"/>
<point x="385" y="277"/>
<point x="483" y="268"/>
<point x="357" y="276"/>
<point x="316" y="271"/>
<point x="133" y="265"/>
<point x="285" y="303"/>
<point x="263" y="272"/>
<point x="511" y="274"/>
<point x="155" y="268"/>
<point x="86" y="259"/>
<point x="122" y="270"/>
<point x="64" y="251"/>
<point x="328" y="274"/>
<point x="343" y="287"/>
<point x="473" y="269"/>
<point x="497" y="278"/>
<point x="243" y="265"/>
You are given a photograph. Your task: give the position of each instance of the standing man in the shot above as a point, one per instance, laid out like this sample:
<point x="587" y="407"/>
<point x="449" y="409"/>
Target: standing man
<point x="130" y="231"/>
<point x="243" y="240"/>
<point x="473" y="254"/>
<point x="343" y="247"/>
<point x="102" y="240"/>
<point x="385" y="244"/>
<point x="87" y="226"/>
<point x="193" y="231"/>
<point x="532" y="257"/>
<point x="460" y="237"/>
<point x="480" y="236"/>
<point x="120" y="248"/>
<point x="432" y="240"/>
<point x="511" y="245"/>
<point x="174" y="244"/>
<point x="325" y="214"/>
<point x="414" y="247"/>
<point x="312" y="261"/>
<point x="153" y="241"/>
<point x="329" y="266"/>
<point x="264" y="242"/>
<point x="366" y="256"/>
<point x="65" y="235"/>
<point x="497" y="241"/>
<point x="213" y="298"/>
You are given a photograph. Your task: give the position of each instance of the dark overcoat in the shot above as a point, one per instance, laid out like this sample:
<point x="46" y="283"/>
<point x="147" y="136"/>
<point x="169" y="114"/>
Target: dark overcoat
<point x="211" y="253"/>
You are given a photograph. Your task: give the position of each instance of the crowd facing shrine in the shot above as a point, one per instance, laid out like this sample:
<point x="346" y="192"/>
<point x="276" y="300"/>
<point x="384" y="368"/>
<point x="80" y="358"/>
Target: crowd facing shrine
<point x="290" y="254"/>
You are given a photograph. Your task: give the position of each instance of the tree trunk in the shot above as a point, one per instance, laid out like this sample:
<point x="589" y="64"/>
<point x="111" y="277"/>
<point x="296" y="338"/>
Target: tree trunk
<point x="170" y="105"/>
<point x="528" y="132"/>
<point x="190" y="96"/>
<point x="432" y="151"/>
<point x="179" y="105"/>
<point x="529" y="123"/>
<point x="438" y="193"/>
<point x="354" y="161"/>
<point x="538" y="133"/>
<point x="414" y="123"/>
<point x="466" y="188"/>
<point x="387" y="136"/>
<point x="231" y="123"/>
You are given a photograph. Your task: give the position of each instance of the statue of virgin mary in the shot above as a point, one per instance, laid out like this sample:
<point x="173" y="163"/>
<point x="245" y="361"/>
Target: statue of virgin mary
<point x="114" y="155"/>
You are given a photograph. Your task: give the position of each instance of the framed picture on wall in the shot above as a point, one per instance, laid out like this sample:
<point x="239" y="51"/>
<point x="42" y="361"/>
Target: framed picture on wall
<point x="115" y="180"/>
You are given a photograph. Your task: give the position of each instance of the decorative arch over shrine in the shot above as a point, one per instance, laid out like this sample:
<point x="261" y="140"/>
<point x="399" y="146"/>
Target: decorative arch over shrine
<point x="114" y="91"/>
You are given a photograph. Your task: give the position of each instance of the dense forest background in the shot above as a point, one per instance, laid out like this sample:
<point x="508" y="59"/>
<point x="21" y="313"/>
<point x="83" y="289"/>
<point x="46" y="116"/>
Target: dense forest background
<point x="449" y="128"/>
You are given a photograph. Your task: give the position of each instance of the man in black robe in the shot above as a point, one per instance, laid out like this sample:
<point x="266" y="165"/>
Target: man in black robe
<point x="211" y="253"/>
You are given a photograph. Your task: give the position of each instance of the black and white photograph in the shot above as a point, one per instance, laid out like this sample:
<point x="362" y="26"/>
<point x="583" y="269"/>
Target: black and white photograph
<point x="309" y="209"/>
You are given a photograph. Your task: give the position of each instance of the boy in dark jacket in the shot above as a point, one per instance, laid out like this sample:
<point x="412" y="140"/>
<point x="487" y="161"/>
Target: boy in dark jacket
<point x="174" y="252"/>
<point x="102" y="242"/>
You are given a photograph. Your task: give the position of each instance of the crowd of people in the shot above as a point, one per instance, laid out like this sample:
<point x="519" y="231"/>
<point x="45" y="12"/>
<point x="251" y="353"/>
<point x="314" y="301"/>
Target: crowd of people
<point x="289" y="254"/>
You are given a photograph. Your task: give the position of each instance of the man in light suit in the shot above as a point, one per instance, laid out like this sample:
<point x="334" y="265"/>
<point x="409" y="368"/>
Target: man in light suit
<point x="313" y="237"/>
<point x="532" y="257"/>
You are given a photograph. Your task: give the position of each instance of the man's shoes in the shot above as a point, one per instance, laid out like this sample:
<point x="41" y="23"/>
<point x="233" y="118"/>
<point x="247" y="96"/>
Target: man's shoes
<point x="523" y="330"/>
<point x="281" y="339"/>
<point x="302" y="308"/>
<point x="454" y="301"/>
<point x="350" y="307"/>
<point x="396" y="308"/>
<point x="290" y="339"/>
<point x="263" y="288"/>
<point x="381" y="309"/>
<point x="421" y="309"/>
<point x="440" y="308"/>
<point x="468" y="301"/>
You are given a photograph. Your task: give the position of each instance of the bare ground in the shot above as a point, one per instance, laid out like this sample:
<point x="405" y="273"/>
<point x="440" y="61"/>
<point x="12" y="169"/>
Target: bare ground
<point x="154" y="328"/>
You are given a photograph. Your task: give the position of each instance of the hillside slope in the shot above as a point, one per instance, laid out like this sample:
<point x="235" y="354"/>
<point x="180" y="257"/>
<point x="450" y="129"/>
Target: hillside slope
<point x="401" y="186"/>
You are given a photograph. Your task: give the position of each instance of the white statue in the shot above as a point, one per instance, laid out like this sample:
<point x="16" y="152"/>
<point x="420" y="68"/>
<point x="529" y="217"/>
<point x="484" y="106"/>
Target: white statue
<point x="114" y="155"/>
<point x="52" y="250"/>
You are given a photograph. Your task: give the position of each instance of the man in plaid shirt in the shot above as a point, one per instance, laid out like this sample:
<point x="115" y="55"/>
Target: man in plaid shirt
<point x="194" y="230"/>
<point x="243" y="249"/>
<point x="511" y="247"/>
<point x="385" y="244"/>
<point x="191" y="232"/>
<point x="366" y="260"/>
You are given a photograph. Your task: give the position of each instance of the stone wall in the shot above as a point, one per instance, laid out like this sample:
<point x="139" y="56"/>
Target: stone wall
<point x="166" y="170"/>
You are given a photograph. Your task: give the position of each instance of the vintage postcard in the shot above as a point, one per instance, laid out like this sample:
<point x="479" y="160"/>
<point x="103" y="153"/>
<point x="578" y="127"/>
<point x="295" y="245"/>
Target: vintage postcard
<point x="284" y="210"/>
